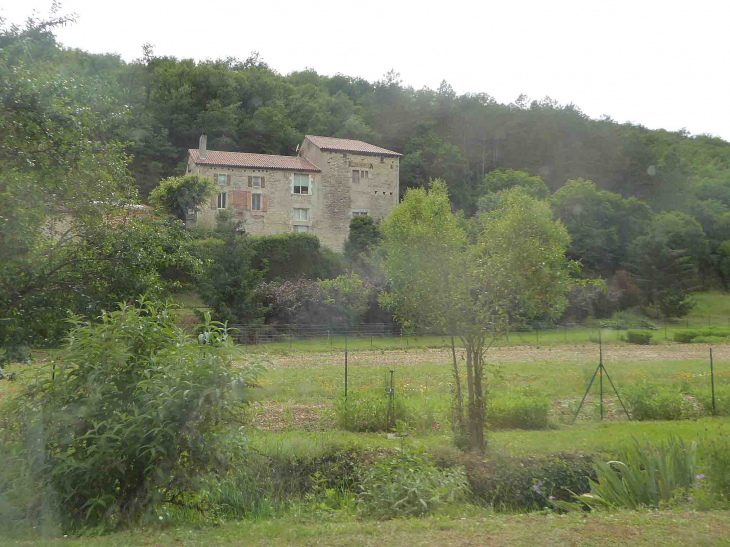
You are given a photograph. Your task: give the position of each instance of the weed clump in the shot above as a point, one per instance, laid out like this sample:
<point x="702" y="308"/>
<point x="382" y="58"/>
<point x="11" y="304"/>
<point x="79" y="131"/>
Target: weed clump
<point x="518" y="411"/>
<point x="638" y="337"/>
<point x="408" y="484"/>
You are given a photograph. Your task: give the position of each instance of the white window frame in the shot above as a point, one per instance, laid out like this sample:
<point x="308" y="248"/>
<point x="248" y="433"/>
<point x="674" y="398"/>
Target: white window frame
<point x="299" y="186"/>
<point x="298" y="211"/>
<point x="225" y="179"/>
<point x="260" y="200"/>
<point x="360" y="213"/>
<point x="223" y="201"/>
<point x="256" y="182"/>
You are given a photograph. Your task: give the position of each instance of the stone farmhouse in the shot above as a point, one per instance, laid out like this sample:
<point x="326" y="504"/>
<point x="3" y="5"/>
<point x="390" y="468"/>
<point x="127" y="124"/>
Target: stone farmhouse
<point x="318" y="192"/>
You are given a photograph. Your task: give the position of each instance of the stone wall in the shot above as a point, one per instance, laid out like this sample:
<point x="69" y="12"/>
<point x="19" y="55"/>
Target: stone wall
<point x="333" y="199"/>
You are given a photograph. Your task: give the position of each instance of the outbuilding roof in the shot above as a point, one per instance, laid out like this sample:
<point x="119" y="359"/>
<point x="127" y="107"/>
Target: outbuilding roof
<point x="253" y="161"/>
<point x="349" y="145"/>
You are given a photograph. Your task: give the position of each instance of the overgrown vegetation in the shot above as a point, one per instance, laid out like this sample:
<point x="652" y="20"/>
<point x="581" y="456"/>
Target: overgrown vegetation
<point x="131" y="414"/>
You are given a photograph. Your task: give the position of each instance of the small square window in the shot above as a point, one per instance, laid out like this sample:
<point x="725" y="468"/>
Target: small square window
<point x="257" y="182"/>
<point x="221" y="179"/>
<point x="222" y="200"/>
<point x="301" y="213"/>
<point x="255" y="202"/>
<point x="301" y="184"/>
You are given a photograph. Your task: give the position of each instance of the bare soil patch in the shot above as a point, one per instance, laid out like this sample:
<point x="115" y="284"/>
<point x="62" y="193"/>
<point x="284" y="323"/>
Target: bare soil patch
<point x="578" y="354"/>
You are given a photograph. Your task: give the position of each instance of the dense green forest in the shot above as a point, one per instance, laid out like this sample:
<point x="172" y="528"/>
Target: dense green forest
<point x="647" y="210"/>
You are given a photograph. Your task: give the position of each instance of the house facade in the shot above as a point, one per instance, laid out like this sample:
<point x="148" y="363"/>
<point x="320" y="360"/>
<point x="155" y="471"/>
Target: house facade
<point x="317" y="192"/>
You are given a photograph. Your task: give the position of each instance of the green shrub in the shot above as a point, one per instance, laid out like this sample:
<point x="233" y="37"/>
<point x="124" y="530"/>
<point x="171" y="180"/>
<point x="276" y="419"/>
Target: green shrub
<point x="644" y="476"/>
<point x="522" y="411"/>
<point x="707" y="335"/>
<point x="715" y="452"/>
<point x="648" y="402"/>
<point x="133" y="412"/>
<point x="408" y="484"/>
<point x="368" y="411"/>
<point x="638" y="337"/>
<point x="517" y="484"/>
<point x="722" y="399"/>
<point x="685" y="336"/>
<point x="710" y="340"/>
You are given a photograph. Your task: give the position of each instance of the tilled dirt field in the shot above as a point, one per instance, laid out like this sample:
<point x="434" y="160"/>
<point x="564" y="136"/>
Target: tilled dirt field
<point x="515" y="354"/>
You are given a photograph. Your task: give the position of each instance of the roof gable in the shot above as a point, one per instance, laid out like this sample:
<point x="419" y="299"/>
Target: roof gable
<point x="253" y="161"/>
<point x="349" y="145"/>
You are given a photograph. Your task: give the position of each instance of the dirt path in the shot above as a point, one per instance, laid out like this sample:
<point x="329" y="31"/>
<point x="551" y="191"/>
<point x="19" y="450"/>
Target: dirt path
<point x="515" y="354"/>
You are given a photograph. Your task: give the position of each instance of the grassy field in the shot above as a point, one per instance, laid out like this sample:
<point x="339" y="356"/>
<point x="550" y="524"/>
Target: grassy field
<point x="293" y="413"/>
<point x="460" y="526"/>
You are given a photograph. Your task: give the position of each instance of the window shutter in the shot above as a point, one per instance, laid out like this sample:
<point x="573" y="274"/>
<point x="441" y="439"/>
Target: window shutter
<point x="250" y="182"/>
<point x="248" y="199"/>
<point x="237" y="198"/>
<point x="264" y="202"/>
<point x="355" y="177"/>
<point x="263" y="182"/>
<point x="215" y="178"/>
<point x="228" y="180"/>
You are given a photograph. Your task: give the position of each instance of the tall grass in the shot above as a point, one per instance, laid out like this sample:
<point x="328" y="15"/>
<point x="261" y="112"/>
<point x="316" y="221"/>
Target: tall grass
<point x="644" y="476"/>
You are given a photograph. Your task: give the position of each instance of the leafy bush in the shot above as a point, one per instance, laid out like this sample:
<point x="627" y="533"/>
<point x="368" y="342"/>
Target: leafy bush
<point x="644" y="476"/>
<point x="132" y="412"/>
<point x="638" y="337"/>
<point x="715" y="452"/>
<point x="685" y="336"/>
<point x="722" y="399"/>
<point x="648" y="402"/>
<point x="367" y="411"/>
<point x="408" y="484"/>
<point x="707" y="335"/>
<point x="521" y="411"/>
<point x="516" y="484"/>
<point x="710" y="340"/>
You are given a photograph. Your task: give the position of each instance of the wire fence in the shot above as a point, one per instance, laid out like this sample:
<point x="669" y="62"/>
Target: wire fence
<point x="389" y="334"/>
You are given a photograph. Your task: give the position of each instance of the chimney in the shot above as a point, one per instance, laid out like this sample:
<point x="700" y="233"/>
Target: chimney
<point x="203" y="147"/>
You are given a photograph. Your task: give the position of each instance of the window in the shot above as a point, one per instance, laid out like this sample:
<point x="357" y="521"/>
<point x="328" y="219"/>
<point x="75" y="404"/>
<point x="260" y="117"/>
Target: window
<point x="301" y="214"/>
<point x="359" y="175"/>
<point x="301" y="184"/>
<point x="221" y="180"/>
<point x="359" y="213"/>
<point x="301" y="229"/>
<point x="222" y="200"/>
<point x="255" y="202"/>
<point x="257" y="182"/>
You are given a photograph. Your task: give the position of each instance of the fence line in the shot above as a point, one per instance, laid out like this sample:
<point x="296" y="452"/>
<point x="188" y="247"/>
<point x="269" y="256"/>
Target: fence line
<point x="262" y="334"/>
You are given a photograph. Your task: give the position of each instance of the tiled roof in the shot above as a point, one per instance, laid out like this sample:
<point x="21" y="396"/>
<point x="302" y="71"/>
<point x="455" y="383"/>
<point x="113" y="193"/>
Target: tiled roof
<point x="254" y="161"/>
<point x="349" y="145"/>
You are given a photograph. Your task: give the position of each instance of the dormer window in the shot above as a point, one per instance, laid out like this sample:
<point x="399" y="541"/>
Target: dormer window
<point x="301" y="184"/>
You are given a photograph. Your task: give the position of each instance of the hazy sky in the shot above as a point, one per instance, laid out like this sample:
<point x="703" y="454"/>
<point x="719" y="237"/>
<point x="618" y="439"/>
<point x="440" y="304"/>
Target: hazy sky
<point x="659" y="63"/>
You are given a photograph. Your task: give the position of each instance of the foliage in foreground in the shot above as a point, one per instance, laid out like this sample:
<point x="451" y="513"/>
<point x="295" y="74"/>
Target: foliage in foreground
<point x="132" y="411"/>
<point x="644" y="476"/>
<point x="408" y="484"/>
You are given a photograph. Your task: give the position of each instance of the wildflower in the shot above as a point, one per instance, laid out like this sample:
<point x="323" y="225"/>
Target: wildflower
<point x="551" y="498"/>
<point x="537" y="487"/>
<point x="700" y="477"/>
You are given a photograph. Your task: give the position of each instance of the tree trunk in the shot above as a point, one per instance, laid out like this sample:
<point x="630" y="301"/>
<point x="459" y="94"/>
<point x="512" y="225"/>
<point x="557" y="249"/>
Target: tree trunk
<point x="458" y="421"/>
<point x="479" y="399"/>
<point x="476" y="423"/>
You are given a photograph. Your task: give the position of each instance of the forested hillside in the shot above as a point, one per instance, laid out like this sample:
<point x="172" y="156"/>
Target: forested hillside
<point x="647" y="210"/>
<point x="248" y="106"/>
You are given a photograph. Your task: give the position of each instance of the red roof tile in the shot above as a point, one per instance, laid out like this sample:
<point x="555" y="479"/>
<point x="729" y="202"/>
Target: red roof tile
<point x="254" y="161"/>
<point x="349" y="145"/>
